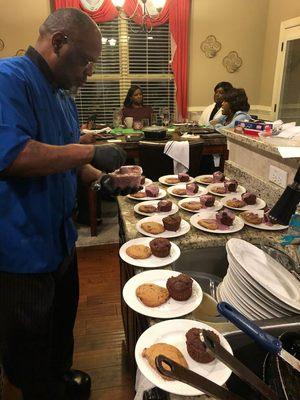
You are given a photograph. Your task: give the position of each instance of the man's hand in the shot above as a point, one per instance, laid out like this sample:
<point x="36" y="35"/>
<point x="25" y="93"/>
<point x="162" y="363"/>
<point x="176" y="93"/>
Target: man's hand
<point x="88" y="138"/>
<point x="108" y="188"/>
<point x="108" y="157"/>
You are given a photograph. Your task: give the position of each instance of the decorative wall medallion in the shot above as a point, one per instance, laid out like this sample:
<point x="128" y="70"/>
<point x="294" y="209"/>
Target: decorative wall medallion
<point x="1" y="45"/>
<point x="232" y="62"/>
<point x="210" y="46"/>
<point x="20" y="52"/>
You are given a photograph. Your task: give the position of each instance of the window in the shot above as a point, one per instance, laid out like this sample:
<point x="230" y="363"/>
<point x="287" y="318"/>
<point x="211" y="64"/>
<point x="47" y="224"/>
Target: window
<point x="127" y="59"/>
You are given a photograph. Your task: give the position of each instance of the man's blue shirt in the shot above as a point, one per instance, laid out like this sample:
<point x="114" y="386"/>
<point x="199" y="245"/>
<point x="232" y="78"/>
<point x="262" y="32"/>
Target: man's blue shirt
<point x="36" y="227"/>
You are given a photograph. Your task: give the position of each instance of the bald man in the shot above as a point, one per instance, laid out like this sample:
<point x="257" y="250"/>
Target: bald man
<point x="39" y="162"/>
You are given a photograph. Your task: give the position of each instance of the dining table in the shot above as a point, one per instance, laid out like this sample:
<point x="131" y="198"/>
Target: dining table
<point x="128" y="139"/>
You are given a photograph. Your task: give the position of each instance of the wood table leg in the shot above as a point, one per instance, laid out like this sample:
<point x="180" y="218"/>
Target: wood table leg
<point x="92" y="195"/>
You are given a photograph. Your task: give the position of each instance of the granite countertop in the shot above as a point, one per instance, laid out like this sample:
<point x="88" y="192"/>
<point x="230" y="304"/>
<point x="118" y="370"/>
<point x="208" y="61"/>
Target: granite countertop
<point x="268" y="145"/>
<point x="195" y="238"/>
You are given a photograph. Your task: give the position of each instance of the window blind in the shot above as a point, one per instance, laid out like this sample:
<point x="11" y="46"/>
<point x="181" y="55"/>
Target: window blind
<point x="128" y="58"/>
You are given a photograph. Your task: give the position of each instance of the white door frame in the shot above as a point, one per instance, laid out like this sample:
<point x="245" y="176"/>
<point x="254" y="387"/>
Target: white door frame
<point x="289" y="30"/>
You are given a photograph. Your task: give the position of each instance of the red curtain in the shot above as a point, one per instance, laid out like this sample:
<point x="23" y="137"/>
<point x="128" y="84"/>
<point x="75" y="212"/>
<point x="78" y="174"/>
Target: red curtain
<point x="177" y="12"/>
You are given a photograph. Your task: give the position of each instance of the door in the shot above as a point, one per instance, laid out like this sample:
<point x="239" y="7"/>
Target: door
<point x="286" y="98"/>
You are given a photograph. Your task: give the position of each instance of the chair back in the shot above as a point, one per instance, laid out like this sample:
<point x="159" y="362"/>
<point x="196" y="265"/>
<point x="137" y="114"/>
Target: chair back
<point x="155" y="163"/>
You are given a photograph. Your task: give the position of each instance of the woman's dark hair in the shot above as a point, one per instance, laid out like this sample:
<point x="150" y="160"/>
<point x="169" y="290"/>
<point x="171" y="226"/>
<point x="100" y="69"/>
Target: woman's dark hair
<point x="224" y="85"/>
<point x="237" y="100"/>
<point x="132" y="89"/>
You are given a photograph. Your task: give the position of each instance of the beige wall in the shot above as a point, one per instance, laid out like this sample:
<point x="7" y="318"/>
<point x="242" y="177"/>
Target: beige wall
<point x="239" y="25"/>
<point x="19" y="23"/>
<point x="279" y="10"/>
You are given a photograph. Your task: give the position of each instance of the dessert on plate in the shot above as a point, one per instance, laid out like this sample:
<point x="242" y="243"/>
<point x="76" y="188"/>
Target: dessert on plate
<point x="172" y="222"/>
<point x="180" y="287"/>
<point x="160" y="247"/>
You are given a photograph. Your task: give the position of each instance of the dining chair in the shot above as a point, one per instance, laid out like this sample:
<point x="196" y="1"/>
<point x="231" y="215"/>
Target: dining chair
<point x="155" y="163"/>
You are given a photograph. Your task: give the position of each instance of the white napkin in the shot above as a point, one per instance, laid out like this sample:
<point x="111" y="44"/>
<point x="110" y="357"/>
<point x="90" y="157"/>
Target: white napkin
<point x="103" y="130"/>
<point x="180" y="152"/>
<point x="141" y="384"/>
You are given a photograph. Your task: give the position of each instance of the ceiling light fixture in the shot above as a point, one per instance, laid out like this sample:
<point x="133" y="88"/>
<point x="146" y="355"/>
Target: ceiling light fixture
<point x="147" y="17"/>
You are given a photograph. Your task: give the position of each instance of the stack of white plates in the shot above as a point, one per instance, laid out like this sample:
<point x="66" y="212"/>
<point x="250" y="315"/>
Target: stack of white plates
<point x="257" y="285"/>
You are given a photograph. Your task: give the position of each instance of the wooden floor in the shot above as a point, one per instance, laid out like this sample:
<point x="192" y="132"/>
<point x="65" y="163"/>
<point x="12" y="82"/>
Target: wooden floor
<point x="99" y="335"/>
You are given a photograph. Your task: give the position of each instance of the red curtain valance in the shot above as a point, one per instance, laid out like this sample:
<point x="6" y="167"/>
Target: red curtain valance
<point x="177" y="12"/>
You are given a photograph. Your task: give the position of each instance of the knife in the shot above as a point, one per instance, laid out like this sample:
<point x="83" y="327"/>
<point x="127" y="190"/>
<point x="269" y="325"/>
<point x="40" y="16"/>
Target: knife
<point x="268" y="342"/>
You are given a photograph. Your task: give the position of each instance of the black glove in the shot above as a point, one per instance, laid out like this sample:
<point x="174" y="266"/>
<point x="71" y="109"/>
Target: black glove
<point x="108" y="158"/>
<point x="108" y="189"/>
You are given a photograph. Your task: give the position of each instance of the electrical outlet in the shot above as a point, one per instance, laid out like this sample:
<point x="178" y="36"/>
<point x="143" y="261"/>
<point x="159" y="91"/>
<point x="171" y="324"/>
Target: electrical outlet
<point x="278" y="176"/>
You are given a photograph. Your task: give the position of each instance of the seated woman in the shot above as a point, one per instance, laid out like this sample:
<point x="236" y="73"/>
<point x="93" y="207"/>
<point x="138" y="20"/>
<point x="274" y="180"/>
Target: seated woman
<point x="234" y="108"/>
<point x="214" y="110"/>
<point x="134" y="107"/>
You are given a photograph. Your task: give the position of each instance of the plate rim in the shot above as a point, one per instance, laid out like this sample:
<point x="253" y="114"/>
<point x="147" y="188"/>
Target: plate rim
<point x="165" y="213"/>
<point x="244" y="208"/>
<point x="160" y="180"/>
<point x="181" y="322"/>
<point x="198" y="299"/>
<point x="148" y="239"/>
<point x="225" y="194"/>
<point x="196" y="211"/>
<point x="217" y="231"/>
<point x="139" y="229"/>
<point x="160" y="196"/>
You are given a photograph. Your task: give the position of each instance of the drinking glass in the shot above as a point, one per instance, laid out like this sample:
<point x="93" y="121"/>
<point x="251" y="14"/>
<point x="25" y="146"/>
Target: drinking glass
<point x="117" y="118"/>
<point x="164" y="114"/>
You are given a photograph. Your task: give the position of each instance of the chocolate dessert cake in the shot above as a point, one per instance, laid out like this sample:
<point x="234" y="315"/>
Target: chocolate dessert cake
<point x="225" y="217"/>
<point x="164" y="205"/>
<point x="218" y="176"/>
<point x="180" y="287"/>
<point x="183" y="177"/>
<point x="197" y="348"/>
<point x="207" y="200"/>
<point x="160" y="247"/>
<point x="152" y="190"/>
<point x="172" y="222"/>
<point x="249" y="198"/>
<point x="191" y="188"/>
<point x="231" y="185"/>
<point x="127" y="176"/>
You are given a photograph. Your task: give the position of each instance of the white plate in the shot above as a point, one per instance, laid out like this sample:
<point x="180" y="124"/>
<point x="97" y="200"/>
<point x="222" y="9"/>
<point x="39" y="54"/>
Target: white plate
<point x="257" y="206"/>
<point x="173" y="332"/>
<point x="239" y="299"/>
<point x="201" y="190"/>
<point x="238" y="223"/>
<point x="170" y="309"/>
<point x="240" y="190"/>
<point x="257" y="291"/>
<point x="200" y="177"/>
<point x="147" y="182"/>
<point x="263" y="226"/>
<point x="174" y="208"/>
<point x="216" y="207"/>
<point x="162" y="180"/>
<point x="152" y="261"/>
<point x="183" y="229"/>
<point x="161" y="194"/>
<point x="255" y="303"/>
<point x="267" y="272"/>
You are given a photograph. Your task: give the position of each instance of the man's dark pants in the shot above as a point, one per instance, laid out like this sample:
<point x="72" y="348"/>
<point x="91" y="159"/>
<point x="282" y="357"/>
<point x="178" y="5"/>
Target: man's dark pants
<point x="37" y="316"/>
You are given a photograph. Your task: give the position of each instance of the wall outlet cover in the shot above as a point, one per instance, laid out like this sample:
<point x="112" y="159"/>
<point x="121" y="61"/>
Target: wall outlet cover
<point x="278" y="176"/>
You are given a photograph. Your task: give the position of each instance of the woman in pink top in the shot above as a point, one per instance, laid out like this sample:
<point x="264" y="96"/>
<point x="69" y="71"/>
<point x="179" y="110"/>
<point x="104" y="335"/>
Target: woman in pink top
<point x="134" y="107"/>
